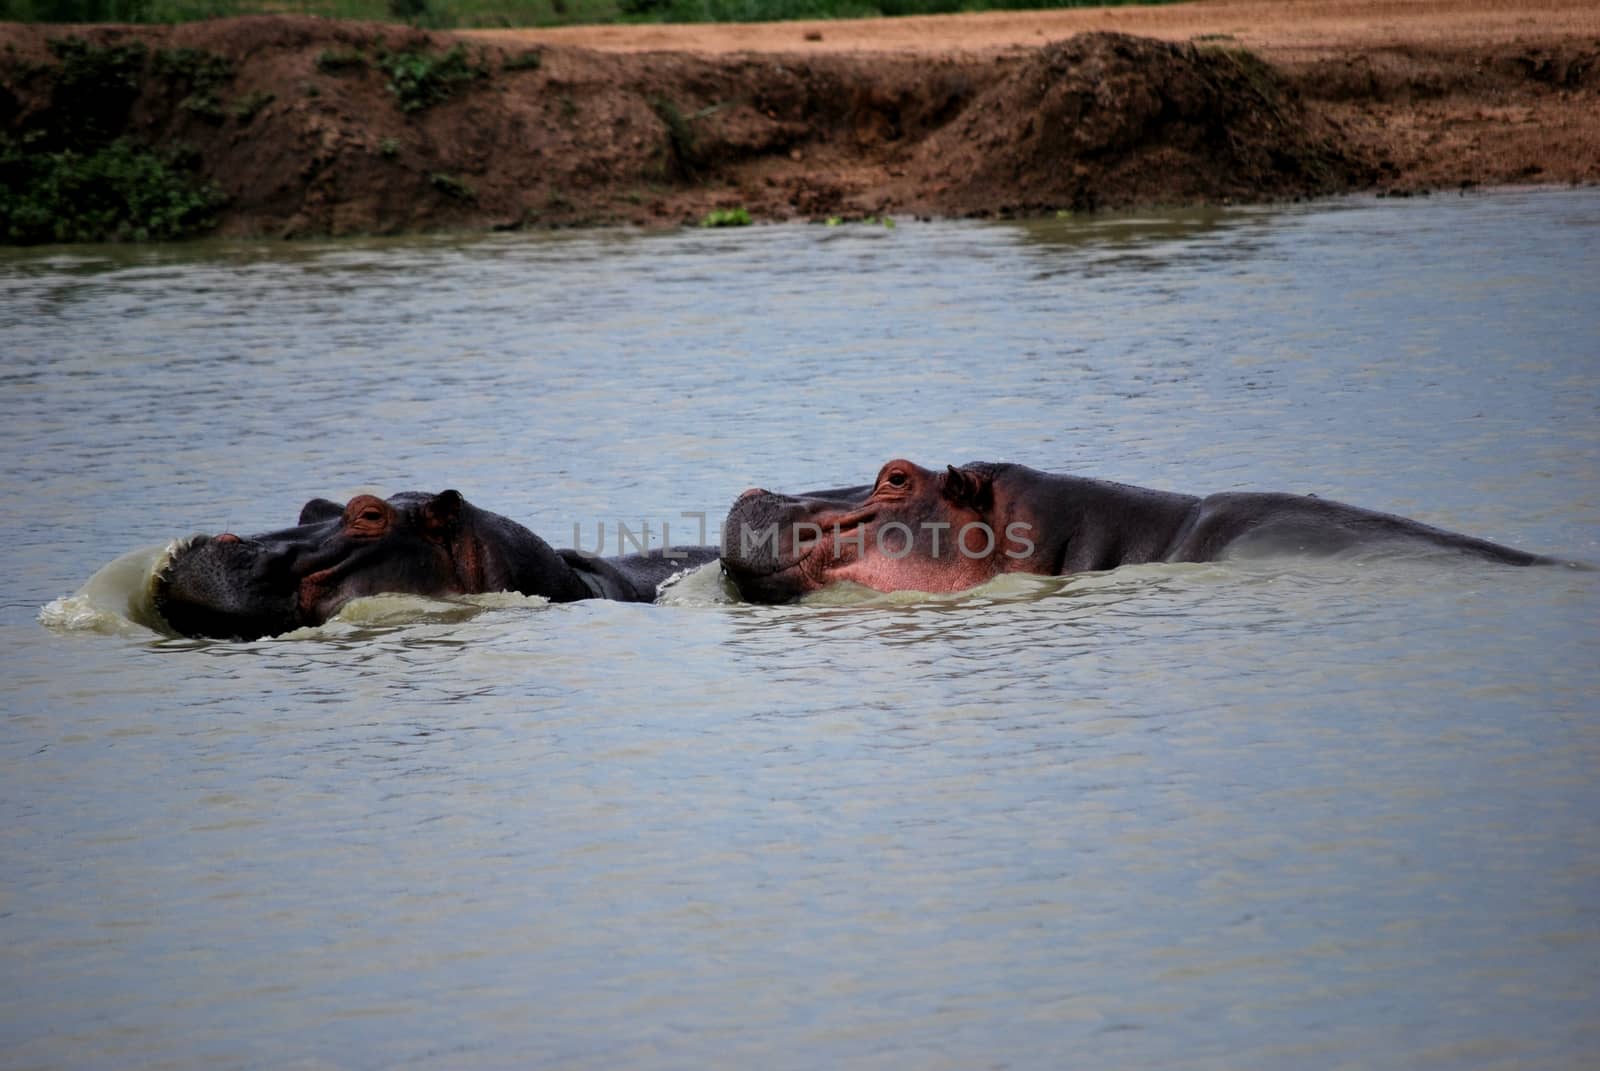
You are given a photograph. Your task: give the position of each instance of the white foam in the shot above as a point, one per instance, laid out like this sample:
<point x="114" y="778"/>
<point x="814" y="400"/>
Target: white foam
<point x="116" y="600"/>
<point x="702" y="585"/>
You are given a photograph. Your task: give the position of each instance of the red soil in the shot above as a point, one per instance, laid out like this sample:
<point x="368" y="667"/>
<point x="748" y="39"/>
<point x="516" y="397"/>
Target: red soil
<point x="952" y="115"/>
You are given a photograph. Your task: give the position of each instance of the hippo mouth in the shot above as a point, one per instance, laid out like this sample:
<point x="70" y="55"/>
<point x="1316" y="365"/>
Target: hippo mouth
<point x="775" y="547"/>
<point x="225" y="587"/>
<point x="772" y="567"/>
<point x="812" y="548"/>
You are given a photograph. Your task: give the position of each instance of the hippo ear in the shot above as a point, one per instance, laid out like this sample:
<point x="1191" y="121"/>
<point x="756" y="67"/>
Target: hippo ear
<point x="320" y="509"/>
<point x="442" y="514"/>
<point x="966" y="488"/>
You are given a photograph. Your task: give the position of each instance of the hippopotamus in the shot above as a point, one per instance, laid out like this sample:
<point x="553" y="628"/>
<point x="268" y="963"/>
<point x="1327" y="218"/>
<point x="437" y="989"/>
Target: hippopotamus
<point x="415" y="543"/>
<point x="913" y="529"/>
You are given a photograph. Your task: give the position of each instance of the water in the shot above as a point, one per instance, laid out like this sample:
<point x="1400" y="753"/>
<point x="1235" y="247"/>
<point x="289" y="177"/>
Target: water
<point x="1240" y="815"/>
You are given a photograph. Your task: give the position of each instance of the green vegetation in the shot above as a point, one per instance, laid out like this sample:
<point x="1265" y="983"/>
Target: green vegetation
<point x="447" y="13"/>
<point x="726" y="217"/>
<point x="200" y="73"/>
<point x="76" y="177"/>
<point x="93" y="91"/>
<point x="118" y="192"/>
<point x="420" y="81"/>
<point x="247" y="107"/>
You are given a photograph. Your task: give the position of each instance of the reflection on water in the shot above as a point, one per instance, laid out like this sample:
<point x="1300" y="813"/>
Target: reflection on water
<point x="1246" y="814"/>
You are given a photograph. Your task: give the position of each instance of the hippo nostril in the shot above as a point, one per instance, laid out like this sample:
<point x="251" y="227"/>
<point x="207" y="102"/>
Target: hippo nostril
<point x="752" y="492"/>
<point x="227" y="537"/>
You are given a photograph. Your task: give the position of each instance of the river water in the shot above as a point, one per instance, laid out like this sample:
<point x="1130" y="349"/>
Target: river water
<point x="1268" y="814"/>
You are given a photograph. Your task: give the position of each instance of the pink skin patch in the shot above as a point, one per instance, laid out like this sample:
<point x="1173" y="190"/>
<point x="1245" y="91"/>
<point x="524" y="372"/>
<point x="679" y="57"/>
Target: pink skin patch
<point x="885" y="568"/>
<point x="909" y="536"/>
<point x="313" y="589"/>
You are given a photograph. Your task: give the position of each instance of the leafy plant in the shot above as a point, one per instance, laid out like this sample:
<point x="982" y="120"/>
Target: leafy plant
<point x="247" y="107"/>
<point x="199" y="72"/>
<point x="94" y="89"/>
<point x="420" y="81"/>
<point x="193" y="66"/>
<point x="120" y="191"/>
<point x="78" y="179"/>
<point x="886" y="222"/>
<point x="726" y="217"/>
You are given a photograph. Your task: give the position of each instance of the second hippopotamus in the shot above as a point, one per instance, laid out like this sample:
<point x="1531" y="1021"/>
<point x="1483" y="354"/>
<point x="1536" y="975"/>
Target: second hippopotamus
<point x="922" y="530"/>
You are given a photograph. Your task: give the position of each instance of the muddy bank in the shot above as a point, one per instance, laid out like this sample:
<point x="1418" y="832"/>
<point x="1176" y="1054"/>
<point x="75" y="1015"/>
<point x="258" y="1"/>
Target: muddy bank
<point x="312" y="127"/>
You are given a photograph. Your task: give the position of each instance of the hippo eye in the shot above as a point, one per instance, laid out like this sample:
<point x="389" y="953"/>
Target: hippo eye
<point x="896" y="479"/>
<point x="372" y="514"/>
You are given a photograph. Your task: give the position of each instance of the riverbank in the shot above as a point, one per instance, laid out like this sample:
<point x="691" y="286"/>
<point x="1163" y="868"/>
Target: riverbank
<point x="305" y="127"/>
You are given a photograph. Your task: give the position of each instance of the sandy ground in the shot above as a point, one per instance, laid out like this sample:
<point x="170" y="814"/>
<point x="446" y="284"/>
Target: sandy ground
<point x="994" y="114"/>
<point x="1278" y="30"/>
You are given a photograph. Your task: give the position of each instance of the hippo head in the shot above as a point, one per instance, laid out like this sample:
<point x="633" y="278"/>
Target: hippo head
<point x="415" y="543"/>
<point x="910" y="529"/>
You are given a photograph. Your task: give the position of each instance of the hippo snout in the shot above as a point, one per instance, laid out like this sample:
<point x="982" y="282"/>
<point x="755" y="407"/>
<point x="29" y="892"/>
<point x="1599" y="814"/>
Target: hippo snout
<point x="748" y="542"/>
<point x="224" y="586"/>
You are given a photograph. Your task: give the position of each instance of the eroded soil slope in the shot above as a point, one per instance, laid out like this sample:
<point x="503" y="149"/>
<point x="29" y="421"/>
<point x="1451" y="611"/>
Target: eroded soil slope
<point x="319" y="127"/>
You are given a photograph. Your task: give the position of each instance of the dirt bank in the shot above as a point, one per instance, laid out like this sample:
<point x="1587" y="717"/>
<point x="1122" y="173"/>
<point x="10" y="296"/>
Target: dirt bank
<point x="317" y="127"/>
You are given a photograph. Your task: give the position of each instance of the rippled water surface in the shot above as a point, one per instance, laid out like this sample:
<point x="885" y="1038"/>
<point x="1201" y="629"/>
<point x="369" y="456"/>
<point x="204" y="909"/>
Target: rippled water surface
<point x="1271" y="814"/>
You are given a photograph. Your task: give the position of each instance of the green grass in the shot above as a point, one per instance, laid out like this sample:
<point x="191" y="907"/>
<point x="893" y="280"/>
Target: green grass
<point x="467" y="13"/>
